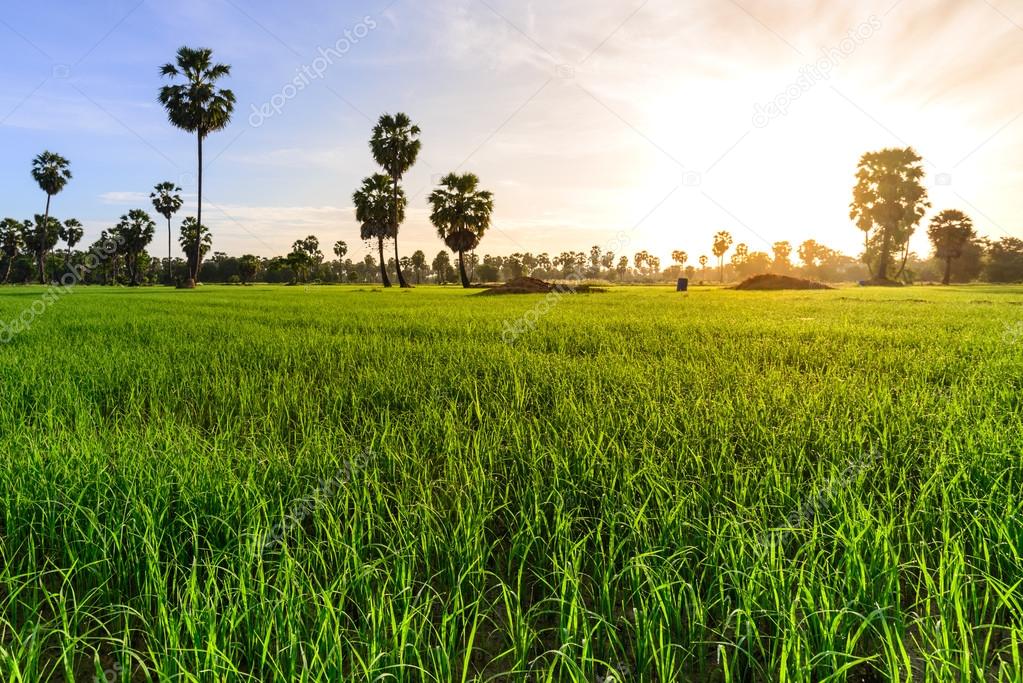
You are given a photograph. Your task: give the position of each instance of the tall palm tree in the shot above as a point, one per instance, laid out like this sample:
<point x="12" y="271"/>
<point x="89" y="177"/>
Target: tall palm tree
<point x="71" y="232"/>
<point x="340" y="250"/>
<point x="461" y="213"/>
<point x="196" y="242"/>
<point x="11" y="243"/>
<point x="52" y="172"/>
<point x="395" y="144"/>
<point x="197" y="106"/>
<point x="167" y="202"/>
<point x="375" y="212"/>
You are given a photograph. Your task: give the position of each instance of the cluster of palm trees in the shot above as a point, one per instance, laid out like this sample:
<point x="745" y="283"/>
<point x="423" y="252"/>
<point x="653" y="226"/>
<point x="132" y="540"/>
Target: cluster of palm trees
<point x="461" y="211"/>
<point x="39" y="236"/>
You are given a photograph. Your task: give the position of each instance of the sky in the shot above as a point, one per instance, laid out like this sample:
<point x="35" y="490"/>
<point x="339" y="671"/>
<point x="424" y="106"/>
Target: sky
<point x="627" y="124"/>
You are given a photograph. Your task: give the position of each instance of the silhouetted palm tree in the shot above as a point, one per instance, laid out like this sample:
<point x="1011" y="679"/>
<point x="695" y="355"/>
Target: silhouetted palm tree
<point x="722" y="242"/>
<point x="950" y="231"/>
<point x="461" y="213"/>
<point x="167" y="202"/>
<point x="889" y="200"/>
<point x="52" y="172"/>
<point x="197" y="106"/>
<point x="375" y="209"/>
<point x="396" y="146"/>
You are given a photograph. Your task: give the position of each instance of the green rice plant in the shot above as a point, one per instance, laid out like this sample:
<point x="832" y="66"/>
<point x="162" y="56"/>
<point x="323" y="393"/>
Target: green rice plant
<point x="724" y="486"/>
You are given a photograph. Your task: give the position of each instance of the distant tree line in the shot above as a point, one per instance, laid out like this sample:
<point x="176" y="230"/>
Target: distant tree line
<point x="889" y="201"/>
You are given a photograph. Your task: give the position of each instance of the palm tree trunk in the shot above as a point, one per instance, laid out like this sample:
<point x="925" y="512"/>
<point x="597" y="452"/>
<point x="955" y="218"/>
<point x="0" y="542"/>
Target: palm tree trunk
<point x="383" y="264"/>
<point x="397" y="259"/>
<point x="7" y="273"/>
<point x="194" y="275"/>
<point x="882" y="269"/>
<point x="397" y="265"/>
<point x="170" y="275"/>
<point x="948" y="272"/>
<point x="40" y="254"/>
<point x="461" y="270"/>
<point x="905" y="260"/>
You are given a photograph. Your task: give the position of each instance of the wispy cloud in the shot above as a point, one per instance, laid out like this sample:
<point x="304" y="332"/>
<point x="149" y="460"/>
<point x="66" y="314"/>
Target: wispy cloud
<point x="124" y="198"/>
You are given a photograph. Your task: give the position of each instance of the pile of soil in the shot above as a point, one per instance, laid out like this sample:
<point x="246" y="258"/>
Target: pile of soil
<point x="775" y="283"/>
<point x="531" y="285"/>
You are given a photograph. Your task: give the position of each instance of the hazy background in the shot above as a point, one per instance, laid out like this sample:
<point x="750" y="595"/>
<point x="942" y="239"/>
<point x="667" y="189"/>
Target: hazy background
<point x="586" y="118"/>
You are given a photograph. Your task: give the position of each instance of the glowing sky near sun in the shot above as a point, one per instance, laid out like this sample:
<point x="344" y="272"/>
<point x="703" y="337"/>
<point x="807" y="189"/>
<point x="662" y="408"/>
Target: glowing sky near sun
<point x="665" y="119"/>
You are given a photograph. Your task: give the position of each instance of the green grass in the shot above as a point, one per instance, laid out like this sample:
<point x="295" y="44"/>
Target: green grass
<point x="724" y="486"/>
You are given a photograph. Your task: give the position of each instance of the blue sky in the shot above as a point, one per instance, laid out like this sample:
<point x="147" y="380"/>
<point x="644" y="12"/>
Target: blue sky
<point x="586" y="119"/>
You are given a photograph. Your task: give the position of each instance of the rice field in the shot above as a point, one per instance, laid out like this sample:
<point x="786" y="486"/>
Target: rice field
<point x="349" y="484"/>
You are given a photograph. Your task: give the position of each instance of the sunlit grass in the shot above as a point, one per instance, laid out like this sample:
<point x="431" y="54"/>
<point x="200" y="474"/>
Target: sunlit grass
<point x="723" y="486"/>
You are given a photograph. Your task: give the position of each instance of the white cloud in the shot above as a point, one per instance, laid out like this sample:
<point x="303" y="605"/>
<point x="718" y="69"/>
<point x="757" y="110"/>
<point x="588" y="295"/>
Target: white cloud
<point x="124" y="198"/>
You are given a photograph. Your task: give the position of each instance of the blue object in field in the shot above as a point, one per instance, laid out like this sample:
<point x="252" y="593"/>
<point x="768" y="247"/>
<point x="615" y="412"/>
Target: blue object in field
<point x="683" y="285"/>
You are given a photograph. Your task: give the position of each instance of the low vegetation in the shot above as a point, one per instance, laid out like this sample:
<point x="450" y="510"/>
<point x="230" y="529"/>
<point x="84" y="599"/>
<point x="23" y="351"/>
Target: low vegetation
<point x="248" y="484"/>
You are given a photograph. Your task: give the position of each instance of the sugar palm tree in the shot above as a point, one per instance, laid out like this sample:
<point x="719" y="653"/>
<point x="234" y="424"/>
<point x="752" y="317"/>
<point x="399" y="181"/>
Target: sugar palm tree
<point x="71" y="232"/>
<point x="418" y="263"/>
<point x="197" y="106"/>
<point x="395" y="144"/>
<point x="11" y="243"/>
<point x="133" y="234"/>
<point x="40" y="239"/>
<point x="340" y="250"/>
<point x="52" y="172"/>
<point x="196" y="242"/>
<point x="722" y="242"/>
<point x="375" y="212"/>
<point x="167" y="202"/>
<point x="461" y="213"/>
<point x="950" y="231"/>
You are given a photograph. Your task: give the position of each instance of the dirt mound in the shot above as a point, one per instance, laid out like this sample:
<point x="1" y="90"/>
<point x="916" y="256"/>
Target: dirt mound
<point x="773" y="283"/>
<point x="522" y="285"/>
<point x="531" y="285"/>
